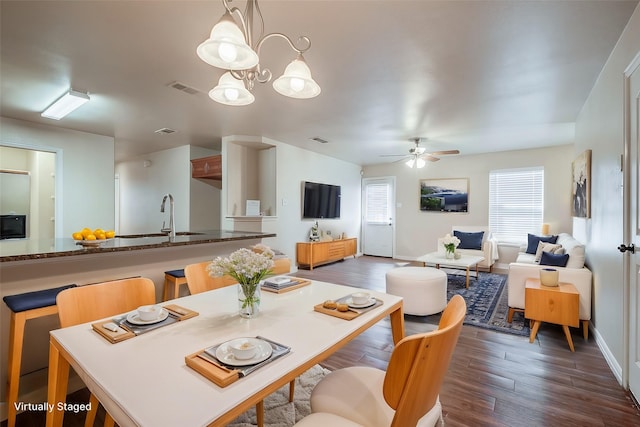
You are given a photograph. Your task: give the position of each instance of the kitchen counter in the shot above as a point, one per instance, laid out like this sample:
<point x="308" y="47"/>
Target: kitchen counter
<point x="28" y="249"/>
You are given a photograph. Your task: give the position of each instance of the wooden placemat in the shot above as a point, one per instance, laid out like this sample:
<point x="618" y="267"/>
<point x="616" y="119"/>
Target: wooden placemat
<point x="220" y="375"/>
<point x="113" y="337"/>
<point x="301" y="283"/>
<point x="181" y="312"/>
<point x="348" y="315"/>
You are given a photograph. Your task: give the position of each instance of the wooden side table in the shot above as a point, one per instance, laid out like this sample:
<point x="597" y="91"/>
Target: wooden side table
<point x="559" y="305"/>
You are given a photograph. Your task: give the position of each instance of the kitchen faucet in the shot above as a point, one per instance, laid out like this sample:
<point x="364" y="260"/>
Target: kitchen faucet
<point x="171" y="231"/>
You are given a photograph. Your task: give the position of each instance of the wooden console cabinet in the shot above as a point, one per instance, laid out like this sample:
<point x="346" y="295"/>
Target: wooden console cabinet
<point x="315" y="253"/>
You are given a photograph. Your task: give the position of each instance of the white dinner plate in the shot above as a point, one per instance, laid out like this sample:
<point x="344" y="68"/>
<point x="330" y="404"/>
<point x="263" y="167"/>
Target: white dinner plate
<point x="369" y="303"/>
<point x="134" y="318"/>
<point x="263" y="352"/>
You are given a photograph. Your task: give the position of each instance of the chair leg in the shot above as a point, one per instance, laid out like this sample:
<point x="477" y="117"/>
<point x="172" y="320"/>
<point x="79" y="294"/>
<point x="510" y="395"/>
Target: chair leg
<point x="260" y="413"/>
<point x="510" y="315"/>
<point x="91" y="415"/>
<point x="165" y="291"/>
<point x="16" y="338"/>
<point x="176" y="289"/>
<point x="292" y="389"/>
<point x="108" y="420"/>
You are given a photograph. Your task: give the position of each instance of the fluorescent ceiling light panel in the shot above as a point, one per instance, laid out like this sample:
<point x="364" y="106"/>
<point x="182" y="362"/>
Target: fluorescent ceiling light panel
<point x="66" y="104"/>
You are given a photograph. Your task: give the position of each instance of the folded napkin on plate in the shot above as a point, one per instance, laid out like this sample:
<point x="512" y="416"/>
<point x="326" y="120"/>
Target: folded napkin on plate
<point x="279" y="350"/>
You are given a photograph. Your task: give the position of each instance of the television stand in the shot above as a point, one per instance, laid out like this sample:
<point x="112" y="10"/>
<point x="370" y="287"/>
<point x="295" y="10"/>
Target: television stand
<point x="311" y="254"/>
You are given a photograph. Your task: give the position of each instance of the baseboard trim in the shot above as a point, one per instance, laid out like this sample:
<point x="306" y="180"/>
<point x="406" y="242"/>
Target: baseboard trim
<point x="608" y="356"/>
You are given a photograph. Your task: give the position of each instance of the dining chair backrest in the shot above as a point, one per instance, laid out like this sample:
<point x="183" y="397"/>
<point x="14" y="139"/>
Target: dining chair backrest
<point x="198" y="279"/>
<point x="92" y="302"/>
<point x="418" y="365"/>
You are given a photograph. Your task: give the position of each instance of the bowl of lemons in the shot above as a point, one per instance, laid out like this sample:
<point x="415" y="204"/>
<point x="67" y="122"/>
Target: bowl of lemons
<point x="92" y="238"/>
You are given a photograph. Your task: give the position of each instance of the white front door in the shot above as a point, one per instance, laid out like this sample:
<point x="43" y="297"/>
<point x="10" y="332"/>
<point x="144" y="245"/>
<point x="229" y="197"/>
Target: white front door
<point x="632" y="223"/>
<point x="378" y="215"/>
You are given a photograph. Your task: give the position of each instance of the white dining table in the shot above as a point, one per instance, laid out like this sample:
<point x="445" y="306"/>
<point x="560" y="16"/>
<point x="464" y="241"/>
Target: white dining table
<point x="144" y="381"/>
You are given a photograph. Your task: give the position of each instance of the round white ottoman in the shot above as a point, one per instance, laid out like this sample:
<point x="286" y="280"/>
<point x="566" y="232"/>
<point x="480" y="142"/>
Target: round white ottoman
<point x="424" y="289"/>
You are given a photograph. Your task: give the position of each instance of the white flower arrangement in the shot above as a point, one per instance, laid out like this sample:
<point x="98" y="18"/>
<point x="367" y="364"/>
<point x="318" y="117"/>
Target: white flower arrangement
<point x="450" y="243"/>
<point x="248" y="267"/>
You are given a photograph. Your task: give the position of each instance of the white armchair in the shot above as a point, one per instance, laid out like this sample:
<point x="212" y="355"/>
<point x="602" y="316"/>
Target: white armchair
<point x="489" y="247"/>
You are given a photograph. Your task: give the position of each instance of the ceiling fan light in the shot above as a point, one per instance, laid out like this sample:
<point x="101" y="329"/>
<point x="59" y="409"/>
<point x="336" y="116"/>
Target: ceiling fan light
<point x="231" y="91"/>
<point x="226" y="47"/>
<point x="420" y="163"/>
<point x="296" y="81"/>
<point x="410" y="162"/>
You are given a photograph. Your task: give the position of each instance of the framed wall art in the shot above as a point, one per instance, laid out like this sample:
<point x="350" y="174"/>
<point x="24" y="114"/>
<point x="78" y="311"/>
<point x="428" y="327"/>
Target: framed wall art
<point x="581" y="185"/>
<point x="444" y="195"/>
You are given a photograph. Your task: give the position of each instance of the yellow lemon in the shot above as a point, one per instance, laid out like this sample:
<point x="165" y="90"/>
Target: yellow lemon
<point x="85" y="232"/>
<point x="77" y="235"/>
<point x="110" y="234"/>
<point x="100" y="236"/>
<point x="90" y="237"/>
<point x="98" y="231"/>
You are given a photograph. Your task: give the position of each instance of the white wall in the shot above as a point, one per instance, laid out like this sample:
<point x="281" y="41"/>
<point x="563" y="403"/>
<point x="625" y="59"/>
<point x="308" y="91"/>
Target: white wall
<point x="293" y="166"/>
<point x="86" y="195"/>
<point x="417" y="232"/>
<point x="599" y="127"/>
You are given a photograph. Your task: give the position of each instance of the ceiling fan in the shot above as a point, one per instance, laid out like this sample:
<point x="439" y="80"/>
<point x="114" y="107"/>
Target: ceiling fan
<point x="417" y="155"/>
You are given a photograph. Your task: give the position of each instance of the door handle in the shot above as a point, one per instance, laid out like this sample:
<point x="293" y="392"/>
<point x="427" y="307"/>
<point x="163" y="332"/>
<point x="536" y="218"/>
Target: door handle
<point x="623" y="248"/>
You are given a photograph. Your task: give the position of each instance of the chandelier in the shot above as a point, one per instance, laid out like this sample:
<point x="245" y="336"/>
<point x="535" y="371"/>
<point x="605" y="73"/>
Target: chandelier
<point x="237" y="49"/>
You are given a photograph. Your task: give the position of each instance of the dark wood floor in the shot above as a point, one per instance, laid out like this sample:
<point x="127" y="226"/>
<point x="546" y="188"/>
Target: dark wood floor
<point x="495" y="379"/>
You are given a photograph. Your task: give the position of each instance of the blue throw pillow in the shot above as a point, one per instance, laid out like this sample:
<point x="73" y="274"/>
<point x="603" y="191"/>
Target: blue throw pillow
<point x="470" y="240"/>
<point x="556" y="260"/>
<point x="533" y="240"/>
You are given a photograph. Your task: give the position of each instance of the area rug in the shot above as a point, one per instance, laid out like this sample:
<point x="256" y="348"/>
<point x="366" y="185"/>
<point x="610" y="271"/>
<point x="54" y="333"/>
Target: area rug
<point x="278" y="411"/>
<point x="487" y="304"/>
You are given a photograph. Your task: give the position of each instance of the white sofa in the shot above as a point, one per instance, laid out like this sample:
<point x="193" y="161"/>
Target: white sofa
<point x="489" y="246"/>
<point x="574" y="272"/>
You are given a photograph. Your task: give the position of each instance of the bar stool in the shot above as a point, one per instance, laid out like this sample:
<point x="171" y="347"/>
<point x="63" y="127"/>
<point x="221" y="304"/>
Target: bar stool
<point x="175" y="278"/>
<point x="29" y="305"/>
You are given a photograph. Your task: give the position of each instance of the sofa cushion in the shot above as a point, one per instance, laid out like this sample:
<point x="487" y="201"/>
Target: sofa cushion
<point x="574" y="248"/>
<point x="556" y="260"/>
<point x="546" y="247"/>
<point x="469" y="240"/>
<point x="533" y="240"/>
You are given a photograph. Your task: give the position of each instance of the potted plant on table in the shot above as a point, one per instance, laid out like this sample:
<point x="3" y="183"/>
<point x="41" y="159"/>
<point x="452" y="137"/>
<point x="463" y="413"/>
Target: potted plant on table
<point x="248" y="267"/>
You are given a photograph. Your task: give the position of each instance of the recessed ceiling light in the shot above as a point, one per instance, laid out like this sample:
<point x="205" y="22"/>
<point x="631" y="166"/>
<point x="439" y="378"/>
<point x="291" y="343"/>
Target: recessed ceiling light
<point x="66" y="104"/>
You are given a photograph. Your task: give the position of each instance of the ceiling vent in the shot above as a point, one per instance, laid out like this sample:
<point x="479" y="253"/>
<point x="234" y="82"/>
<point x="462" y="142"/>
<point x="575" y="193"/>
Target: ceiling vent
<point x="318" y="139"/>
<point x="164" y="131"/>
<point x="184" y="88"/>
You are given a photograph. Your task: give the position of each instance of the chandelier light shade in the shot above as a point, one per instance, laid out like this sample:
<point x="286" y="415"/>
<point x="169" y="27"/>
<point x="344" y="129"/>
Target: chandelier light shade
<point x="231" y="91"/>
<point x="416" y="161"/>
<point x="236" y="48"/>
<point x="296" y="82"/>
<point x="65" y="105"/>
<point x="227" y="48"/>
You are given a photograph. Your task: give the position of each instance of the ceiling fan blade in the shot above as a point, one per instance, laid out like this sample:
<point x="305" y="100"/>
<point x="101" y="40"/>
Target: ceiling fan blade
<point x="429" y="157"/>
<point x="440" y="153"/>
<point x="394" y="155"/>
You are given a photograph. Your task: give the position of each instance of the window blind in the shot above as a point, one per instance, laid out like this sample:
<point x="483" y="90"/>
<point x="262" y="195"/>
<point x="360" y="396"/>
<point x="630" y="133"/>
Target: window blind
<point x="377" y="203"/>
<point x="516" y="203"/>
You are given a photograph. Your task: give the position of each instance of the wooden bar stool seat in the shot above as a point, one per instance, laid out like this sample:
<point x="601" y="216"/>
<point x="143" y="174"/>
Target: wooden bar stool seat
<point x="29" y="305"/>
<point x="173" y="278"/>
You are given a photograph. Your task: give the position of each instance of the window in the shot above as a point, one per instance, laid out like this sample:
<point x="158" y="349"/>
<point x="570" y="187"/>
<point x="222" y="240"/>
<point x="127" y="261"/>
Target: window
<point x="516" y="203"/>
<point x="377" y="203"/>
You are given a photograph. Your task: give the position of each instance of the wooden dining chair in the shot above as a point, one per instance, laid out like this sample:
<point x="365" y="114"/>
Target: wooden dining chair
<point x="92" y="302"/>
<point x="406" y="395"/>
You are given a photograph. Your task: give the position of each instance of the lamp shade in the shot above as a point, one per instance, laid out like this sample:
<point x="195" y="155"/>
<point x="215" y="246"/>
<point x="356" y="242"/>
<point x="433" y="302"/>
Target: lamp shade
<point x="296" y="82"/>
<point x="231" y="91"/>
<point x="226" y="47"/>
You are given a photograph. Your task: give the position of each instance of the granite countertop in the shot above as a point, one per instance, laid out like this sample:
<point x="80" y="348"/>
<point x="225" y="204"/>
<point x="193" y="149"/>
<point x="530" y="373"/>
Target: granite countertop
<point x="28" y="249"/>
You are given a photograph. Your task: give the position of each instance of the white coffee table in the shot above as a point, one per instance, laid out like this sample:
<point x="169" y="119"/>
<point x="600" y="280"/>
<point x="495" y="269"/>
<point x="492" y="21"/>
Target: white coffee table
<point x="465" y="262"/>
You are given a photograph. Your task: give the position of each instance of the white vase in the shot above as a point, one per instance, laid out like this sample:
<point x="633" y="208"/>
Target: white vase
<point x="249" y="302"/>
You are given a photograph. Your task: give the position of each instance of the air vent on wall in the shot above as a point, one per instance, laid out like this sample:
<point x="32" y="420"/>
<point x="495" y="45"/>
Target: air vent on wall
<point x="184" y="88"/>
<point x="318" y="139"/>
<point x="164" y="131"/>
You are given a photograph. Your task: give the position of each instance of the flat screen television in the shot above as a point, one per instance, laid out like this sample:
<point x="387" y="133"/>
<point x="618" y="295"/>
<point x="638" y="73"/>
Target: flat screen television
<point x="320" y="201"/>
<point x="13" y="226"/>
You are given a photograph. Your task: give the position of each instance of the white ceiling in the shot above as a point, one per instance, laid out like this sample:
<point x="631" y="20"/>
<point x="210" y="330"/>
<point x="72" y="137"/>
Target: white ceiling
<point x="478" y="76"/>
